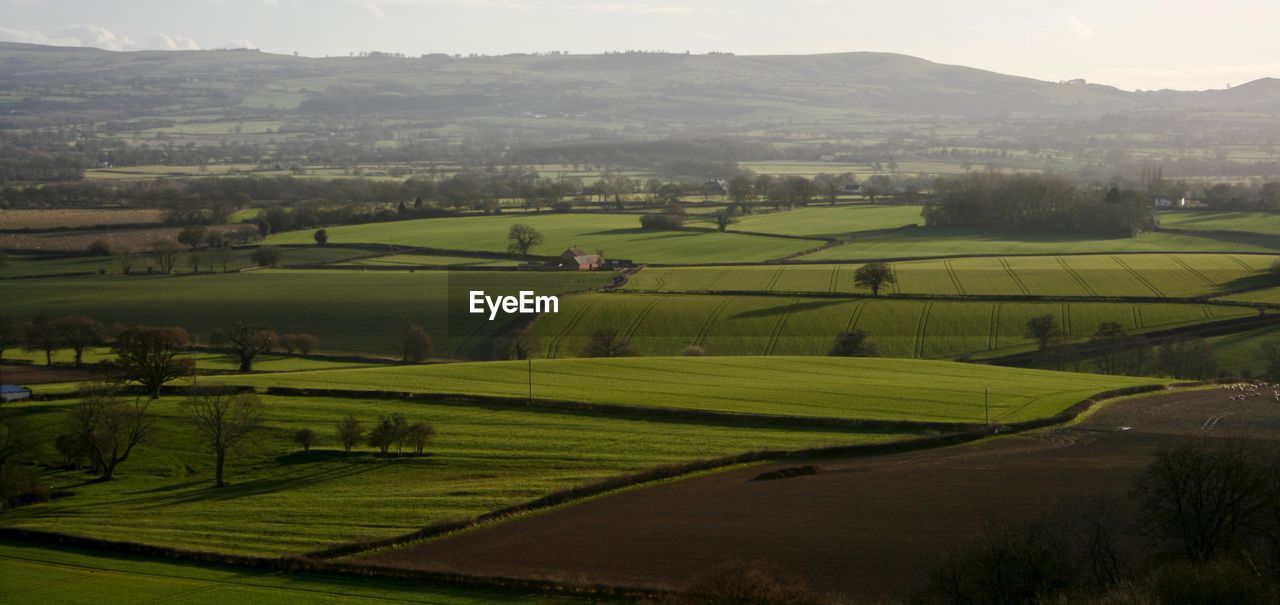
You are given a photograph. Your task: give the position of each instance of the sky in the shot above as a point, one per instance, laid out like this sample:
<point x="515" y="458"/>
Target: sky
<point x="1132" y="44"/>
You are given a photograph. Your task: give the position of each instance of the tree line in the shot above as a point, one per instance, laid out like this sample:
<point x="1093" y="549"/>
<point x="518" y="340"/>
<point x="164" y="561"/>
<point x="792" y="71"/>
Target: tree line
<point x="1033" y="202"/>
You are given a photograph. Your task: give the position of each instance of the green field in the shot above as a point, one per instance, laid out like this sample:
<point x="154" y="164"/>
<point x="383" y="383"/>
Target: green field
<point x="433" y="260"/>
<point x="350" y="311"/>
<point x="928" y="241"/>
<point x="664" y="324"/>
<point x="821" y="222"/>
<point x="32" y="266"/>
<point x="835" y="387"/>
<point x="1150" y="275"/>
<point x="205" y="360"/>
<point x="1264" y="295"/>
<point x="617" y="235"/>
<point x="50" y="574"/>
<point x="1267" y="223"/>
<point x="280" y="500"/>
<point x="1242" y="351"/>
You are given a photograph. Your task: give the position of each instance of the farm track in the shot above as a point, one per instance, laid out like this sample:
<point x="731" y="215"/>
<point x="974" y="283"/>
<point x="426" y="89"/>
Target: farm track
<point x="1204" y="278"/>
<point x="1076" y="276"/>
<point x="955" y="279"/>
<point x="639" y="319"/>
<point x="863" y="529"/>
<point x="1014" y="276"/>
<point x="776" y="333"/>
<point x="1138" y="276"/>
<point x="554" y="349"/>
<point x="710" y="322"/>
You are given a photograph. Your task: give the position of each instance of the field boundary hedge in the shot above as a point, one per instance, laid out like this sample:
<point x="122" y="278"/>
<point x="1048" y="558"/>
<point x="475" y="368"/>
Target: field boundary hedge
<point x="308" y="565"/>
<point x="320" y="562"/>
<point x="1208" y="299"/>
<point x="903" y="259"/>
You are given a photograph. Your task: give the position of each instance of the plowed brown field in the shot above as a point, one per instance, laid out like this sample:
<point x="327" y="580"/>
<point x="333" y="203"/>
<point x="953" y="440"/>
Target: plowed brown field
<point x="866" y="528"/>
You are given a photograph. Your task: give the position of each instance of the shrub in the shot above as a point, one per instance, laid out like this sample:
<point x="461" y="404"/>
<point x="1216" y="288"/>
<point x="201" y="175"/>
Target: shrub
<point x="305" y="438"/>
<point x="693" y="351"/>
<point x="853" y="344"/>
<point x="607" y="342"/>
<point x="306" y="343"/>
<point x="661" y="221"/>
<point x="99" y="248"/>
<point x="267" y="256"/>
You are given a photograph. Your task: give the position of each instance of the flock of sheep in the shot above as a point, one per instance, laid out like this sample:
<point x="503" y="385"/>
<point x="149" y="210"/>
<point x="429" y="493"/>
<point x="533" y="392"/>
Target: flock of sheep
<point x="1245" y="390"/>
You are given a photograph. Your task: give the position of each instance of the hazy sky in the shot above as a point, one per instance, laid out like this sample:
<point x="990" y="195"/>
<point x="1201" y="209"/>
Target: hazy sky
<point x="1188" y="44"/>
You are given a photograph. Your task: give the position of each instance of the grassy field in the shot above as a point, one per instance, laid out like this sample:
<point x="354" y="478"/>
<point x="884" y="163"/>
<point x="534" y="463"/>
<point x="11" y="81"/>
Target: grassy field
<point x="835" y="387"/>
<point x="618" y="235"/>
<point x="30" y="266"/>
<point x="1242" y="351"/>
<point x="281" y="500"/>
<point x="1267" y="223"/>
<point x="1265" y="295"/>
<point x="952" y="242"/>
<point x="350" y="311"/>
<point x="434" y="260"/>
<point x="1153" y="275"/>
<point x="664" y="324"/>
<point x="72" y="577"/>
<point x="204" y="360"/>
<point x="823" y="222"/>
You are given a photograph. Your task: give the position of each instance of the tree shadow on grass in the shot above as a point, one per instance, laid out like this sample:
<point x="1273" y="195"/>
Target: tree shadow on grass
<point x="777" y="310"/>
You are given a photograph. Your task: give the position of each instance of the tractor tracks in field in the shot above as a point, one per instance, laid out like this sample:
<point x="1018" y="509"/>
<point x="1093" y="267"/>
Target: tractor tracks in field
<point x="1138" y="276"/>
<point x="705" y="329"/>
<point x="779" y="327"/>
<point x="1014" y="276"/>
<point x="1076" y="276"/>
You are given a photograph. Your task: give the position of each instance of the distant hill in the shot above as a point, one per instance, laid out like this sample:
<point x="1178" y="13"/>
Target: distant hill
<point x="636" y="89"/>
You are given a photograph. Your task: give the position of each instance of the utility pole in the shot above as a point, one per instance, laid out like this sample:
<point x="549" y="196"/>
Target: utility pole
<point x="530" y="380"/>
<point x="986" y="404"/>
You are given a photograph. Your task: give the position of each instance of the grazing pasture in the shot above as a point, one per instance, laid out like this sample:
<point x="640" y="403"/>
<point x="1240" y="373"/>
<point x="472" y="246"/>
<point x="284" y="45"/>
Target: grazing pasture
<point x="664" y="324"/>
<point x="825" y="387"/>
<point x="928" y="241"/>
<point x="281" y="500"/>
<point x="1266" y="223"/>
<point x="433" y="260"/>
<point x="241" y="258"/>
<point x="74" y="577"/>
<point x="350" y="311"/>
<point x="1150" y="275"/>
<point x="828" y="222"/>
<point x="617" y="235"/>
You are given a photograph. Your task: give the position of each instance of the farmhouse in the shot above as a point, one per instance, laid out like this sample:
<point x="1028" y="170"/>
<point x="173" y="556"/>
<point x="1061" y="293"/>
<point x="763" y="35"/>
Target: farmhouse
<point x="13" y="392"/>
<point x="577" y="259"/>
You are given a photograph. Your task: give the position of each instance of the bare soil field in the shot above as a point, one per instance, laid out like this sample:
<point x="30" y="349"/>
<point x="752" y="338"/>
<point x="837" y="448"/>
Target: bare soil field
<point x="66" y="218"/>
<point x="39" y="374"/>
<point x="869" y="529"/>
<point x="78" y="241"/>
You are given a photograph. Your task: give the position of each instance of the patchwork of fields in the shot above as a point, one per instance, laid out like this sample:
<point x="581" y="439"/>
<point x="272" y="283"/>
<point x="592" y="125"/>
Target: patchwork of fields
<point x="823" y="222"/>
<point x="1267" y="223"/>
<point x="617" y="235"/>
<point x="1146" y="275"/>
<point x="350" y="311"/>
<point x="824" y="387"/>
<point x="920" y="242"/>
<point x="664" y="324"/>
<point x="281" y="500"/>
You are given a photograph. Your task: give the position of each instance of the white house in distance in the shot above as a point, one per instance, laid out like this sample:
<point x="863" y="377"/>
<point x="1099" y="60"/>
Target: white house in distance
<point x="13" y="392"/>
<point x="1182" y="202"/>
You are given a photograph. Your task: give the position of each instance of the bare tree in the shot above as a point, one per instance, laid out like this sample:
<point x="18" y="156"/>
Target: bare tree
<point x="247" y="341"/>
<point x="124" y="256"/>
<point x="873" y="276"/>
<point x="9" y="334"/>
<point x="150" y="356"/>
<point x="41" y="334"/>
<point x="607" y="342"/>
<point x="226" y="422"/>
<point x="522" y="238"/>
<point x="415" y="344"/>
<point x="1203" y="497"/>
<point x="80" y="332"/>
<point x="165" y="254"/>
<point x="350" y="432"/>
<point x="288" y="342"/>
<point x="306" y="343"/>
<point x="419" y="435"/>
<point x="108" y="428"/>
<point x="853" y="343"/>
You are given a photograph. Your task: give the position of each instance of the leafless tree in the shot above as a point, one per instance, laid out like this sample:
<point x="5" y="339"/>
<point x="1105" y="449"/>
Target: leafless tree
<point x="150" y="356"/>
<point x="225" y="421"/>
<point x="108" y="428"/>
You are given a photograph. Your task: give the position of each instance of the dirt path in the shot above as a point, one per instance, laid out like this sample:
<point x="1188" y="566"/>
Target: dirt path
<point x="869" y="528"/>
